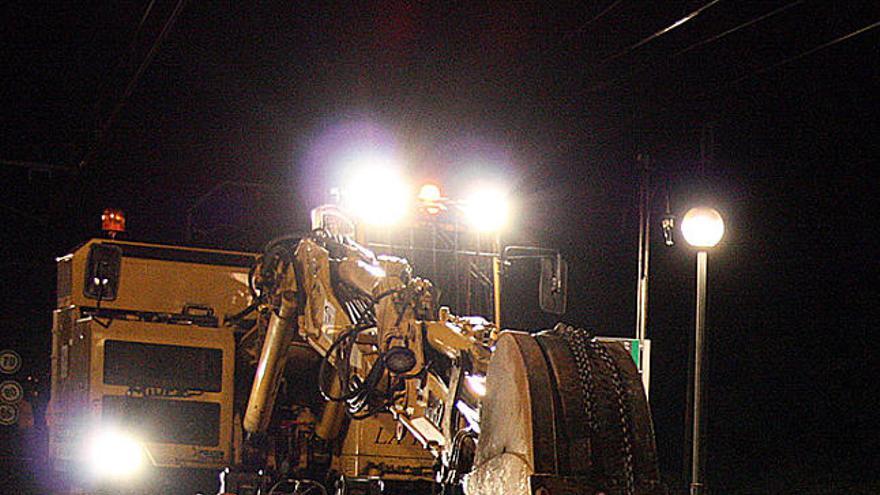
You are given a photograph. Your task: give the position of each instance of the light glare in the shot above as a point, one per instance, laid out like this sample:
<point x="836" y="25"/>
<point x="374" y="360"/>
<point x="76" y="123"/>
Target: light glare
<point x="430" y="198"/>
<point x="115" y="454"/>
<point x="430" y="193"/>
<point x="476" y="384"/>
<point x="702" y="227"/>
<point x="377" y="193"/>
<point x="486" y="210"/>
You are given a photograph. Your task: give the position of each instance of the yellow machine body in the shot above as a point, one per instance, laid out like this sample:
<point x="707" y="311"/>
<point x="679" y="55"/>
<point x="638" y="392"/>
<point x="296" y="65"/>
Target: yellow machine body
<point x="149" y="337"/>
<point x="381" y="447"/>
<point x="162" y="279"/>
<point x="94" y="389"/>
<point x="154" y="359"/>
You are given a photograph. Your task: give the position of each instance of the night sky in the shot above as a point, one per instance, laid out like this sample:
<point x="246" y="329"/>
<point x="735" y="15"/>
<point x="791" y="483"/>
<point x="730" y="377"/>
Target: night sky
<point x="766" y="123"/>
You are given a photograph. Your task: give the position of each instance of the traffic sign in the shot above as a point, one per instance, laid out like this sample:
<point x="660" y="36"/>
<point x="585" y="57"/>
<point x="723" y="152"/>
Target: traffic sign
<point x="8" y="414"/>
<point x="10" y="362"/>
<point x="11" y="392"/>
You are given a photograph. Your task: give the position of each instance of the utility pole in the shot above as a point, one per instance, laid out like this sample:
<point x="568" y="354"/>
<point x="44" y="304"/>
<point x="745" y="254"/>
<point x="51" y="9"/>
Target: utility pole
<point x="644" y="246"/>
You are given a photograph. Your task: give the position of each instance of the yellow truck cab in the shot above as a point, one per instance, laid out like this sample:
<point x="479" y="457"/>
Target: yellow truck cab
<point x="140" y="355"/>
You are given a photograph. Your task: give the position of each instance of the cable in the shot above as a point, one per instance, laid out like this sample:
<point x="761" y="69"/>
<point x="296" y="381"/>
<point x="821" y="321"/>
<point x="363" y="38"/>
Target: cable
<point x="595" y="17"/>
<point x="611" y="82"/>
<point x="357" y="396"/>
<point x="807" y="53"/>
<point x="234" y="319"/>
<point x="128" y="51"/>
<point x="129" y="89"/>
<point x="660" y="33"/>
<point x="322" y="385"/>
<point x="734" y="29"/>
<point x="314" y="485"/>
<point x="311" y="484"/>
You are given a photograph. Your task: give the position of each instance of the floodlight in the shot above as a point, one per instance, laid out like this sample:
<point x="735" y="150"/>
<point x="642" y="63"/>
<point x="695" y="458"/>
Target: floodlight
<point x="376" y="192"/>
<point x="702" y="227"/>
<point x="114" y="454"/>
<point x="486" y="210"/>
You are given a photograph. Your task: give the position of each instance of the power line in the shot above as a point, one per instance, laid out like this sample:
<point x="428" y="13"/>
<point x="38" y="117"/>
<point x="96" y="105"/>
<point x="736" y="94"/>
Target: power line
<point x="601" y="85"/>
<point x="734" y="29"/>
<point x="38" y="219"/>
<point x="807" y="53"/>
<point x="660" y="33"/>
<point x="129" y="89"/>
<point x="596" y="17"/>
<point x="38" y="166"/>
<point x="143" y="21"/>
<point x="129" y="50"/>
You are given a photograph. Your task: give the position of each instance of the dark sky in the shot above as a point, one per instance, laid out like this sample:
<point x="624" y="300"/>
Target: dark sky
<point x="560" y="103"/>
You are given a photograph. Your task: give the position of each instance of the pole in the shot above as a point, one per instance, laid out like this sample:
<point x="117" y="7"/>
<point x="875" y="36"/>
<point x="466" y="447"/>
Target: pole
<point x="644" y="249"/>
<point x="496" y="280"/>
<point x="643" y="279"/>
<point x="699" y="343"/>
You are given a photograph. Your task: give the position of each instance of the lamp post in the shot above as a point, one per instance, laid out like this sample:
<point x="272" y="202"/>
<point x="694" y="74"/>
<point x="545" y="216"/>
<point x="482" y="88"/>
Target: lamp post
<point x="702" y="228"/>
<point x="646" y="195"/>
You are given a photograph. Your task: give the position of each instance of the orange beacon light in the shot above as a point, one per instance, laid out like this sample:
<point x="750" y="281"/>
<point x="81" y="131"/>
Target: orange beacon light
<point x="112" y="222"/>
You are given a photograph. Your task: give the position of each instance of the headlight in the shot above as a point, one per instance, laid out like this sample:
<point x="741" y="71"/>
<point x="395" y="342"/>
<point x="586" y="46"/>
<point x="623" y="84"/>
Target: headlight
<point x="115" y="454"/>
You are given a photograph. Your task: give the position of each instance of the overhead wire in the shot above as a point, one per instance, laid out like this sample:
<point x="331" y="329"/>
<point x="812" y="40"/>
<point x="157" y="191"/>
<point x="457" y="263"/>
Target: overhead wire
<point x="137" y="32"/>
<point x="684" y="20"/>
<point x="807" y="53"/>
<point x="129" y="89"/>
<point x="702" y="43"/>
<point x="595" y="18"/>
<point x="736" y="28"/>
<point x="126" y="54"/>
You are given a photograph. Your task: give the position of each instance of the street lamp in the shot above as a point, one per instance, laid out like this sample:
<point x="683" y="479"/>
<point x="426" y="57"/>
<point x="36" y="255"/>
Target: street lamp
<point x="702" y="228"/>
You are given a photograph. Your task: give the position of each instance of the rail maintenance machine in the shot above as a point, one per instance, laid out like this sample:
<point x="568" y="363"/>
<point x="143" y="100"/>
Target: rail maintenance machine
<point x="329" y="364"/>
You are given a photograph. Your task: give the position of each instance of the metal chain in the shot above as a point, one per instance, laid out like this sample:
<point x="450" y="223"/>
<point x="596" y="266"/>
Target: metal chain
<point x="582" y="343"/>
<point x="577" y="339"/>
<point x="622" y="411"/>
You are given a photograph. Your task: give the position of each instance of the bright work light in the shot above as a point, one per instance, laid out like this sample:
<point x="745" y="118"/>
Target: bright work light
<point x="486" y="210"/>
<point x="114" y="454"/>
<point x="702" y="227"/>
<point x="376" y="192"/>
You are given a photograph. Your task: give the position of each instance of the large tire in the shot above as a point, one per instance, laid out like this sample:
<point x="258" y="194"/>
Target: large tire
<point x="564" y="414"/>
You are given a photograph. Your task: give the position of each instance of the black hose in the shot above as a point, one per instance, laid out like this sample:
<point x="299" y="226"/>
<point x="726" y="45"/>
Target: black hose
<point x="322" y="385"/>
<point x="241" y="314"/>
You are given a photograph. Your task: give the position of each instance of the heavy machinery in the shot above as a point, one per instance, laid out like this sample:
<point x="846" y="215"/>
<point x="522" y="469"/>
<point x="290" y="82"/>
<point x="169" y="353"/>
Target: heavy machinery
<point x="350" y="376"/>
<point x="142" y="367"/>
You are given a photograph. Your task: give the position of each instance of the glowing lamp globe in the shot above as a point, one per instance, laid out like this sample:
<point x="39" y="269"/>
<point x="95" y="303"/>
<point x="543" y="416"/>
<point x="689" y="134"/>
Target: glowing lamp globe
<point x="702" y="227"/>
